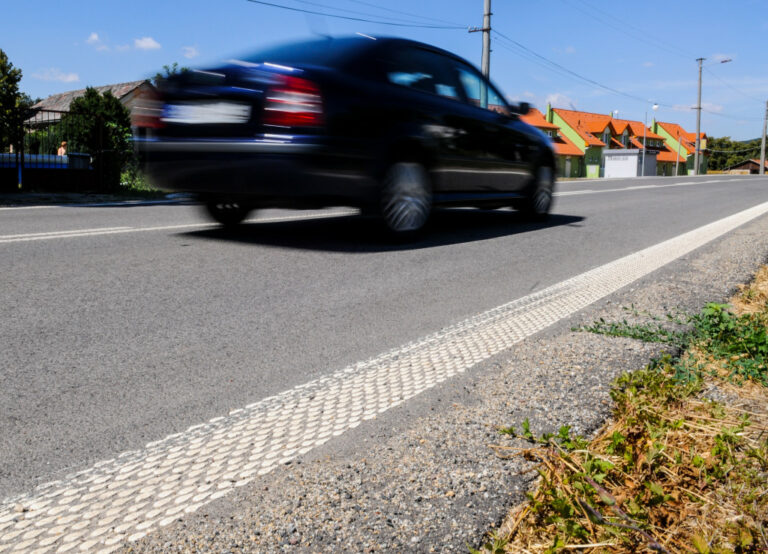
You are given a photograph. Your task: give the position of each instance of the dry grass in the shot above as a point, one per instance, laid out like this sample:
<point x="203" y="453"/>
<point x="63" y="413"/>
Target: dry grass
<point x="672" y="471"/>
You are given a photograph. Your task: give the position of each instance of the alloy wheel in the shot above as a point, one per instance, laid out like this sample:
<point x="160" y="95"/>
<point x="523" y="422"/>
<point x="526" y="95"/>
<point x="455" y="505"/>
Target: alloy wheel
<point x="406" y="197"/>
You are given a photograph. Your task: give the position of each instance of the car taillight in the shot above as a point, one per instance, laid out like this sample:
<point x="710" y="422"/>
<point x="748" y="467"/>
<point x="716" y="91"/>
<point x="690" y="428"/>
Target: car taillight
<point x="147" y="111"/>
<point x="295" y="102"/>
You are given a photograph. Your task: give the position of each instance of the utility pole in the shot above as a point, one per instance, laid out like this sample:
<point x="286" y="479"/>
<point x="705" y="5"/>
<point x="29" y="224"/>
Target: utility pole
<point x="645" y="124"/>
<point x="677" y="160"/>
<point x="698" y="124"/>
<point x="486" y="60"/>
<point x="762" y="143"/>
<point x="485" y="63"/>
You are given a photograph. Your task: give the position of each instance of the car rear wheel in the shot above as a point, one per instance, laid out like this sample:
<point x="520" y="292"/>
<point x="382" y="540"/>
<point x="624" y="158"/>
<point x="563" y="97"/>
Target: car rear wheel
<point x="227" y="212"/>
<point x="406" y="198"/>
<point x="538" y="205"/>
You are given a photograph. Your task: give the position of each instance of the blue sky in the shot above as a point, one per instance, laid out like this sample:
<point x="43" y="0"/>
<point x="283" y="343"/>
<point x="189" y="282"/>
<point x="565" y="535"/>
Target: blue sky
<point x="646" y="50"/>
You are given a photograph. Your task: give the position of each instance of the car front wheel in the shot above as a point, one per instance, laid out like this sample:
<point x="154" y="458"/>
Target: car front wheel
<point x="406" y="198"/>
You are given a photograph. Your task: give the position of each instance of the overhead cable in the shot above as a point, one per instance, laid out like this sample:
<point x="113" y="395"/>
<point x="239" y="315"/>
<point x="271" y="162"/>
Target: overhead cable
<point x="351" y="18"/>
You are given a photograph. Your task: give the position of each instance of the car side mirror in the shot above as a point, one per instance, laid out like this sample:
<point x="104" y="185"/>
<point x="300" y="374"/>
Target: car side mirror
<point x="523" y="108"/>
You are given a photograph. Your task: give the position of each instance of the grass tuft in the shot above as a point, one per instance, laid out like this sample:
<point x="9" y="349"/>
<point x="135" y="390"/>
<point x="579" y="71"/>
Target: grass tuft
<point x="673" y="471"/>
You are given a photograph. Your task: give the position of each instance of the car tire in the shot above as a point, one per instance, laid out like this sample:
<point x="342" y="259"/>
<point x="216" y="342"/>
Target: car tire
<point x="227" y="212"/>
<point x="406" y="198"/>
<point x="538" y="205"/>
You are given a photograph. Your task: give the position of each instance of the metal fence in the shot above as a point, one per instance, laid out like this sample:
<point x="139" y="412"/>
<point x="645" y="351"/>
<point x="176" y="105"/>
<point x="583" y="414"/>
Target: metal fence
<point x="48" y="156"/>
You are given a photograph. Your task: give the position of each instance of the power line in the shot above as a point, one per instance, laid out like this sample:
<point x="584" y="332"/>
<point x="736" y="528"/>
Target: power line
<point x="424" y="17"/>
<point x="355" y="12"/>
<point x="640" y="34"/>
<point x="573" y="73"/>
<point x="545" y="62"/>
<point x="732" y="151"/>
<point x="736" y="118"/>
<point x="350" y="18"/>
<point x="732" y="87"/>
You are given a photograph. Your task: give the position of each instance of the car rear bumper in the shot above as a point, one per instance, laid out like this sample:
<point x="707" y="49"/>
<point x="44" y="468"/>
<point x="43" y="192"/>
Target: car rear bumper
<point x="269" y="173"/>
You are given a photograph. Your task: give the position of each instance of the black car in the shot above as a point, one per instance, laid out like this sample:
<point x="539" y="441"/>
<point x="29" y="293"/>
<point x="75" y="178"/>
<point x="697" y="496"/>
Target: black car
<point x="391" y="126"/>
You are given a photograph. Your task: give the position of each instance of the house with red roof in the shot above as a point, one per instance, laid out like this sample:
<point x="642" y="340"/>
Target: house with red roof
<point x="570" y="159"/>
<point x="681" y="142"/>
<point x="579" y="128"/>
<point x="597" y="133"/>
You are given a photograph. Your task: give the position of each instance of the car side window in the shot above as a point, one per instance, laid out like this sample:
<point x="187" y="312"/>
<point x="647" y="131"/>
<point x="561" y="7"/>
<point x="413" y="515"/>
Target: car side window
<point x="421" y="70"/>
<point x="478" y="92"/>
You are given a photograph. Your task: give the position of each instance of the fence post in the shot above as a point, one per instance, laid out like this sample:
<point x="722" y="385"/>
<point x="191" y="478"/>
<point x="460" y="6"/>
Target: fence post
<point x="20" y="155"/>
<point x="100" y="154"/>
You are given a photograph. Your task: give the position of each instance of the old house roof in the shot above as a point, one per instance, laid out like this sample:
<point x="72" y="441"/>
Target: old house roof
<point x="750" y="162"/>
<point x="63" y="100"/>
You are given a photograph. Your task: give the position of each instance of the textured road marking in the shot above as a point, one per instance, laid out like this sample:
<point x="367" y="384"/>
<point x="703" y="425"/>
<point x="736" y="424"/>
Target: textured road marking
<point x="98" y="231"/>
<point x="128" y="496"/>
<point x="638" y="187"/>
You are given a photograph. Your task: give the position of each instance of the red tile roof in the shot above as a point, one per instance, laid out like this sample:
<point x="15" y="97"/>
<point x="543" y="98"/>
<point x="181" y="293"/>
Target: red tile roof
<point x="564" y="147"/>
<point x="615" y="143"/>
<point x="619" y="125"/>
<point x="636" y="129"/>
<point x="536" y="118"/>
<point x="578" y="122"/>
<point x="686" y="139"/>
<point x="668" y="155"/>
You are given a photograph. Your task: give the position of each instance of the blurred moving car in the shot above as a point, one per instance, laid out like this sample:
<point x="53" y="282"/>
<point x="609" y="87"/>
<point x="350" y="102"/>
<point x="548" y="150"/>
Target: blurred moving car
<point x="388" y="125"/>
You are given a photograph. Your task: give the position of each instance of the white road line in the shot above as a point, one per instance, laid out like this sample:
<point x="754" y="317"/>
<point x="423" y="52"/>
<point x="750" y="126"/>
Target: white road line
<point x="128" y="496"/>
<point x="55" y="233"/>
<point x="98" y="231"/>
<point x="639" y="187"/>
<point x="46" y="207"/>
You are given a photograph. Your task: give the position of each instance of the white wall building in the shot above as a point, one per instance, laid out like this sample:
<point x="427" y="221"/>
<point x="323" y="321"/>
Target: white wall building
<point x="628" y="163"/>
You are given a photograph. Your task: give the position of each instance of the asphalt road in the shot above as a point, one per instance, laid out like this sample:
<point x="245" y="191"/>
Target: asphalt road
<point x="122" y="325"/>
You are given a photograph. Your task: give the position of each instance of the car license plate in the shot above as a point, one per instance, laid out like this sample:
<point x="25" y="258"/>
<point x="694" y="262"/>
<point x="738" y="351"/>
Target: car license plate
<point x="198" y="113"/>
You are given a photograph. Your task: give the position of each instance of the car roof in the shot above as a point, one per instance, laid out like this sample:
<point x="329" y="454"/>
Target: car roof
<point x="314" y="51"/>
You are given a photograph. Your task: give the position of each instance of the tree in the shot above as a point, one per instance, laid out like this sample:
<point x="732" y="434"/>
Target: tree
<point x="725" y="152"/>
<point x="170" y="71"/>
<point x="9" y="101"/>
<point x="100" y="125"/>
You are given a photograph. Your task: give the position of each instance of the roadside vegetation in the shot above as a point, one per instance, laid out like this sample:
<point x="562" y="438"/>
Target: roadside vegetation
<point x="683" y="464"/>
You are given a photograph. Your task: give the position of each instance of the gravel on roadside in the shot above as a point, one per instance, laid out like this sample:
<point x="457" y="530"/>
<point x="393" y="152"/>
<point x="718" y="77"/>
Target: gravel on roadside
<point x="439" y="486"/>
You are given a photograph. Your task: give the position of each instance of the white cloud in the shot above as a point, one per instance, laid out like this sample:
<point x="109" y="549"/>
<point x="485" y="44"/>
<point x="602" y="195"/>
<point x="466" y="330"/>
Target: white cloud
<point x="570" y="49"/>
<point x="95" y="40"/>
<point x="648" y="64"/>
<point x="123" y="47"/>
<point x="190" y="52"/>
<point x="55" y="74"/>
<point x="146" y="43"/>
<point x="558" y="100"/>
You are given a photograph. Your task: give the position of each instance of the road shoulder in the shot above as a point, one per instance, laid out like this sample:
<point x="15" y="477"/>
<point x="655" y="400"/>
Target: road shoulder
<point x="438" y="484"/>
